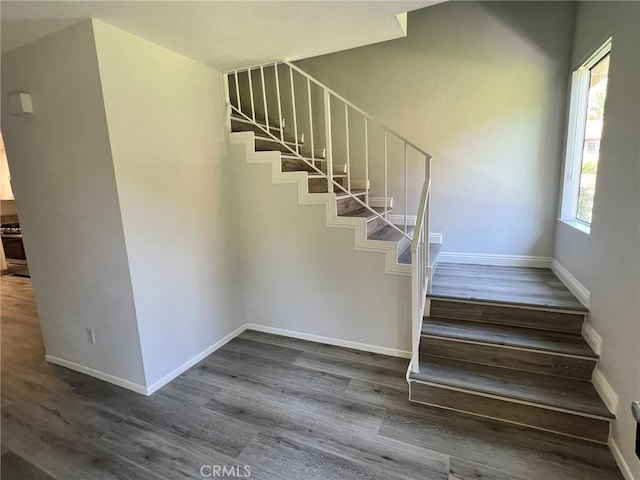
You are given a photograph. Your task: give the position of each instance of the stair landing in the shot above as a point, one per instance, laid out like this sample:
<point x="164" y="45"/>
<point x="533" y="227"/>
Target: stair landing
<point x="535" y="287"/>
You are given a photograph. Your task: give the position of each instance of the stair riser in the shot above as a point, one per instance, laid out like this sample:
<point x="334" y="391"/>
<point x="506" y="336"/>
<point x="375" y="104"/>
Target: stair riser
<point x="237" y="126"/>
<point x="348" y="204"/>
<point x="532" y="361"/>
<point x="267" y="145"/>
<point x="593" y="429"/>
<point x="289" y="165"/>
<point x="319" y="185"/>
<point x="514" y="316"/>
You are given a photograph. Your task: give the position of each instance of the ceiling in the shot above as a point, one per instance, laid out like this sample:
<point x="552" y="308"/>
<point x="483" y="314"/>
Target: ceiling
<point x="226" y="34"/>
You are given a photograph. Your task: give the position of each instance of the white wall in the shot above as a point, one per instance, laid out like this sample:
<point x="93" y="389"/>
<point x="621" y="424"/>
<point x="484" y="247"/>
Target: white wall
<point x="301" y="276"/>
<point x="481" y="86"/>
<point x="166" y="119"/>
<point x="65" y="189"/>
<point x="607" y="261"/>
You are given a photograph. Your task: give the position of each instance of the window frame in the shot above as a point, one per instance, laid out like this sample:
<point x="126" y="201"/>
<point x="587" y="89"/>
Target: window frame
<point x="575" y="138"/>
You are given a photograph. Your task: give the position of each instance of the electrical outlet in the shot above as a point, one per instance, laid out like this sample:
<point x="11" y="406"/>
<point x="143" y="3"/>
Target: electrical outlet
<point x="91" y="335"/>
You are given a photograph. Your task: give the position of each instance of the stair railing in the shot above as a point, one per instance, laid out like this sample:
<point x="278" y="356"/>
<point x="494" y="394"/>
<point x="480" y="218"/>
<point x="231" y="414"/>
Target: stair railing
<point x="421" y="270"/>
<point x="253" y="81"/>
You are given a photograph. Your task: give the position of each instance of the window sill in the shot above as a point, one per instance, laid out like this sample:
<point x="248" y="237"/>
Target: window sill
<point x="583" y="227"/>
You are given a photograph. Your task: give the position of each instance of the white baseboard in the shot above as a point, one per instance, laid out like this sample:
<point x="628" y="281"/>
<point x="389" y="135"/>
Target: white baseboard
<point x="121" y="382"/>
<point x="496" y="260"/>
<point x="191" y="362"/>
<point x="606" y="391"/>
<point x="572" y="283"/>
<point x="378" y="202"/>
<point x="620" y="460"/>
<point x="399" y="219"/>
<point x="592" y="337"/>
<point x="392" y="352"/>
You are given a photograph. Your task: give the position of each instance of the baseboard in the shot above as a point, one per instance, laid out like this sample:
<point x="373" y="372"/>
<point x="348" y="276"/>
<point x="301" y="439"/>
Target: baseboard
<point x="392" y="352"/>
<point x="606" y="391"/>
<point x="399" y="219"/>
<point x="192" y="361"/>
<point x="121" y="382"/>
<point x="620" y="460"/>
<point x="572" y="283"/>
<point x="378" y="202"/>
<point x="493" y="259"/>
<point x="592" y="337"/>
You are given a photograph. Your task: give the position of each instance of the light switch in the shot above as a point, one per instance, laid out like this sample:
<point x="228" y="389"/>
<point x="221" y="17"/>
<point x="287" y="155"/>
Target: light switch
<point x="20" y="103"/>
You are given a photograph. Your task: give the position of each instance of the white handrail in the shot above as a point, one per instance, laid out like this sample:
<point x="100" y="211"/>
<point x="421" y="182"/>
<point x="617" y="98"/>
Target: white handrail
<point x="421" y="271"/>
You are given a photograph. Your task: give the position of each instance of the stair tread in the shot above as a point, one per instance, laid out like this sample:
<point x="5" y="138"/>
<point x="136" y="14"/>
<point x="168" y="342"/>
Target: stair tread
<point x="434" y="250"/>
<point x="389" y="234"/>
<point x="290" y="156"/>
<point x="364" y="213"/>
<point x="340" y="194"/>
<point x="576" y="396"/>
<point x="273" y="124"/>
<point x="534" y="339"/>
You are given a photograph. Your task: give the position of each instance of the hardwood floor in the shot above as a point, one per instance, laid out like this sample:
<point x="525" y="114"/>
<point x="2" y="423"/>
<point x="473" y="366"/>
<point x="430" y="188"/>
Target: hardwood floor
<point x="286" y="408"/>
<point x="517" y="285"/>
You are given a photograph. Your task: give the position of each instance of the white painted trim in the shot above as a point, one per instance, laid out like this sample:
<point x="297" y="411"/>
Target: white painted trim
<point x="365" y="347"/>
<point x="399" y="219"/>
<point x="493" y="259"/>
<point x="435" y="238"/>
<point x="572" y="283"/>
<point x="620" y="460"/>
<point x="556" y="432"/>
<point x="510" y="399"/>
<point x="606" y="391"/>
<point x="359" y="224"/>
<point x="592" y="337"/>
<point x="378" y="202"/>
<point x="191" y="362"/>
<point x="121" y="382"/>
<point x="509" y="305"/>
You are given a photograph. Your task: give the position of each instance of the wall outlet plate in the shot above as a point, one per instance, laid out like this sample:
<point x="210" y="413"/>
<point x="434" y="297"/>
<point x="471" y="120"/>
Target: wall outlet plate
<point x="91" y="335"/>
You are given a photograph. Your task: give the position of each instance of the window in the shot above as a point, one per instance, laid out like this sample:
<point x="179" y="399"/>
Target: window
<point x="588" y="96"/>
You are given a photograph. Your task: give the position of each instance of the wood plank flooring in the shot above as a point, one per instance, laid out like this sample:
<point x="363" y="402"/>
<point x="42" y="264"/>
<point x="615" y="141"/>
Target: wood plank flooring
<point x="283" y="407"/>
<point x="517" y="285"/>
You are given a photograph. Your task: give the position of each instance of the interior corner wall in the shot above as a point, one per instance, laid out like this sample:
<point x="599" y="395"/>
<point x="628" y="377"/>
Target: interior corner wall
<point x="481" y="86"/>
<point x="167" y="124"/>
<point x="607" y="261"/>
<point x="65" y="189"/>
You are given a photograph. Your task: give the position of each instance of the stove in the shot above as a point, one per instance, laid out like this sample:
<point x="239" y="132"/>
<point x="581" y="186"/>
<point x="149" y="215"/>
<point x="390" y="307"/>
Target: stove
<point x="10" y="229"/>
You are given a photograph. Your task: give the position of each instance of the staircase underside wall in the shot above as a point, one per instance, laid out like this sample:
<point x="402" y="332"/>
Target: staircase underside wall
<point x="308" y="279"/>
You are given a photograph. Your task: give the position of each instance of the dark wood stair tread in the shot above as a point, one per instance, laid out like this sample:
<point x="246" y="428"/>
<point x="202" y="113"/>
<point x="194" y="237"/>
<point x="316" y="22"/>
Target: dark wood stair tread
<point x="577" y="396"/>
<point x="342" y="194"/>
<point x="534" y="339"/>
<point x="517" y="286"/>
<point x="364" y="213"/>
<point x="390" y="234"/>
<point x="434" y="250"/>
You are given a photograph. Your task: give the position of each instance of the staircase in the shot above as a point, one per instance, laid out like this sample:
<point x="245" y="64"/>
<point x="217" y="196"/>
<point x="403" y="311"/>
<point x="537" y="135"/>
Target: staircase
<point x="518" y="362"/>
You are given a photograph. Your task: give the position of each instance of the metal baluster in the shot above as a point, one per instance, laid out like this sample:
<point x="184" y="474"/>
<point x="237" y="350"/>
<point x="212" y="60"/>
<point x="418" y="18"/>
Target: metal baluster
<point x="264" y="99"/>
<point x="327" y="131"/>
<point x="293" y="107"/>
<point x="366" y="157"/>
<point x="386" y="202"/>
<point x="346" y="121"/>
<point x="238" y="91"/>
<point x="405" y="188"/>
<point x="280" y="122"/>
<point x="313" y="153"/>
<point x="253" y="106"/>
